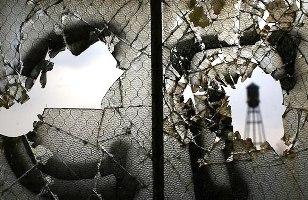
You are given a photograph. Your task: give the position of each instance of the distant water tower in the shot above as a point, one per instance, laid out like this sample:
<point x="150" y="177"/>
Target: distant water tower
<point x="254" y="127"/>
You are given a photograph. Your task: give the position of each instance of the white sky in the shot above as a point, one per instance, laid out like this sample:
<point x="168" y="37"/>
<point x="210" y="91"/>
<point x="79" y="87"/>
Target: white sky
<point x="270" y="105"/>
<point x="75" y="82"/>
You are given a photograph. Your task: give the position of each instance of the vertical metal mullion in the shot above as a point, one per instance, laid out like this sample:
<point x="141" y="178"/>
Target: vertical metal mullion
<point x="157" y="100"/>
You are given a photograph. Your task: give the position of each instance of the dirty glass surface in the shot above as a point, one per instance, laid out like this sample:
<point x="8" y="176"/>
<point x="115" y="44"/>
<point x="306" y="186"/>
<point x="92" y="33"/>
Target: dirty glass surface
<point x="72" y="152"/>
<point x="105" y="153"/>
<point x="209" y="45"/>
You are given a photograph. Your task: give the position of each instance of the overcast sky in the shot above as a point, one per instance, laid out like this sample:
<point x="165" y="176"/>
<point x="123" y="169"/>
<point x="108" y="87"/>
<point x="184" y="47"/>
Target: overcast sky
<point x="270" y="104"/>
<point x="75" y="82"/>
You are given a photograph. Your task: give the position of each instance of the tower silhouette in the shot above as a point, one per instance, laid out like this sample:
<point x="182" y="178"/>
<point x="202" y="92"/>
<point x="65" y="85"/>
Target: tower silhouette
<point x="254" y="127"/>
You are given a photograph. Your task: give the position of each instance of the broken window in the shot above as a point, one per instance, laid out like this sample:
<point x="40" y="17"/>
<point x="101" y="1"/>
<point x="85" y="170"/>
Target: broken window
<point x="75" y="82"/>
<point x="269" y="116"/>
<point x="77" y="152"/>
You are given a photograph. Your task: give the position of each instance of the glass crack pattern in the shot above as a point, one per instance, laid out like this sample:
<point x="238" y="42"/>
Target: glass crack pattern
<point x="84" y="153"/>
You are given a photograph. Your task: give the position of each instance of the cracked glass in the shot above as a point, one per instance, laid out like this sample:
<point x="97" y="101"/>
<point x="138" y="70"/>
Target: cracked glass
<point x="104" y="151"/>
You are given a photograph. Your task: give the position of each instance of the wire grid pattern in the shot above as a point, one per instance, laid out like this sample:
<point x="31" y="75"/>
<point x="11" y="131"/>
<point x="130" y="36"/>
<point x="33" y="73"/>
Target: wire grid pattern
<point x="107" y="151"/>
<point x="78" y="153"/>
<point x="210" y="44"/>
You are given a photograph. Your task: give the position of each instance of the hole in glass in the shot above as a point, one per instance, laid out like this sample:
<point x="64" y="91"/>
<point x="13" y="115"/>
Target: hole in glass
<point x="75" y="82"/>
<point x="271" y="107"/>
<point x="188" y="94"/>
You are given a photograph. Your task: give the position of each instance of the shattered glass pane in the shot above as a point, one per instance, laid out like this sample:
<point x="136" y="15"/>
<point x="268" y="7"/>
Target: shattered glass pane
<point x="86" y="148"/>
<point x="74" y="82"/>
<point x="211" y="45"/>
<point x="271" y="110"/>
<point x="105" y="153"/>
